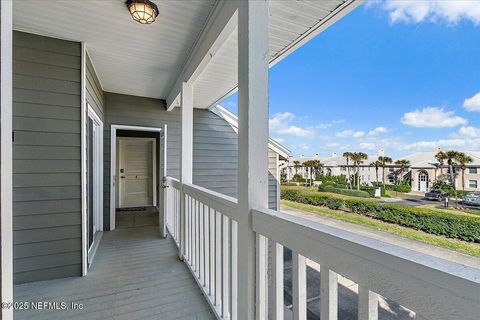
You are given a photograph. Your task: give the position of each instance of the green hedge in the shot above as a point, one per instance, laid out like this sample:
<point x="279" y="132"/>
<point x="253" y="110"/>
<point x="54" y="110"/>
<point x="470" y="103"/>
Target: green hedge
<point x="428" y="220"/>
<point x="347" y="192"/>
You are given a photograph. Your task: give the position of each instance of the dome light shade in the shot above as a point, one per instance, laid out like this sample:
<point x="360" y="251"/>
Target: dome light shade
<point x="142" y="11"/>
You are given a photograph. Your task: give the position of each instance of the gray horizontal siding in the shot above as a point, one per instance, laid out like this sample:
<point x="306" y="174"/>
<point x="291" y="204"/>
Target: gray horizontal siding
<point x="214" y="149"/>
<point x="46" y="158"/>
<point x="94" y="91"/>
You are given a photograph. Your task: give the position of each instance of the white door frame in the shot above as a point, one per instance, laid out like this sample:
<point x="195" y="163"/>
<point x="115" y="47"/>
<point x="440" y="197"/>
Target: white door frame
<point x="98" y="186"/>
<point x="154" y="166"/>
<point x="113" y="162"/>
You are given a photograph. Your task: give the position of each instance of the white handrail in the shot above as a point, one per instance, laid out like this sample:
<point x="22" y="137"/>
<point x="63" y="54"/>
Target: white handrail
<point x="215" y="200"/>
<point x="434" y="288"/>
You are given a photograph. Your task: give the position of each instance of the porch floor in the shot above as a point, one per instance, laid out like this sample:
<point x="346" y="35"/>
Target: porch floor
<point x="135" y="275"/>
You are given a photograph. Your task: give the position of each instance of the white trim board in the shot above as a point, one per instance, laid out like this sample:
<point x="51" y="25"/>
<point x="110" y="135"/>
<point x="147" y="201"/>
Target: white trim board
<point x="83" y="165"/>
<point x="6" y="234"/>
<point x="113" y="162"/>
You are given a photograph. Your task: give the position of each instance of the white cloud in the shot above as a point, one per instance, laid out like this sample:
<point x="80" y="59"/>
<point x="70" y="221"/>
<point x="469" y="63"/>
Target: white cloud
<point x="468" y="132"/>
<point x="279" y="140"/>
<point x="350" y="133"/>
<point x="442" y="143"/>
<point x="330" y="124"/>
<point x="377" y="131"/>
<point x="358" y="134"/>
<point x="367" y="145"/>
<point x="451" y="11"/>
<point x="472" y="103"/>
<point x="304" y="146"/>
<point x="281" y="124"/>
<point x="432" y="117"/>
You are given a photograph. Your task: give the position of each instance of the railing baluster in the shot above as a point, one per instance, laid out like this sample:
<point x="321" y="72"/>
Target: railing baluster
<point x="190" y="231"/>
<point x="299" y="287"/>
<point x="328" y="294"/>
<point x="277" y="267"/>
<point x="367" y="304"/>
<point x="225" y="266"/>
<point x="218" y="259"/>
<point x="261" y="277"/>
<point x="201" y="234"/>
<point x="206" y="234"/>
<point x="197" y="237"/>
<point x="212" y="251"/>
<point x="234" y="271"/>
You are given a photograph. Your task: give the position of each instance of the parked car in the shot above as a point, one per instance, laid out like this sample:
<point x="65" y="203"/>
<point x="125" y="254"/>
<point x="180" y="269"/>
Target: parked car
<point x="472" y="198"/>
<point x="436" y="194"/>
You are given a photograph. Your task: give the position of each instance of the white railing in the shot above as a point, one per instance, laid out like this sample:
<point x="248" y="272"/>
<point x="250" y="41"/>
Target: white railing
<point x="173" y="208"/>
<point x="433" y="288"/>
<point x="210" y="242"/>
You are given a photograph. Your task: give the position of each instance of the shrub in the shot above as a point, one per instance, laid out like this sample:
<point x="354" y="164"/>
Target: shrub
<point x="371" y="191"/>
<point x="298" y="178"/>
<point x="432" y="221"/>
<point x="347" y="192"/>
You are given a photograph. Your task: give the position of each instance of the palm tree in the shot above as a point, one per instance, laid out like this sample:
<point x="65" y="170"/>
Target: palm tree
<point x="463" y="159"/>
<point x="309" y="165"/>
<point x="358" y="158"/>
<point x="377" y="164"/>
<point x="316" y="166"/>
<point x="347" y="155"/>
<point x="402" y="163"/>
<point x="441" y="157"/>
<point x="451" y="157"/>
<point x="296" y="165"/>
<point x="384" y="160"/>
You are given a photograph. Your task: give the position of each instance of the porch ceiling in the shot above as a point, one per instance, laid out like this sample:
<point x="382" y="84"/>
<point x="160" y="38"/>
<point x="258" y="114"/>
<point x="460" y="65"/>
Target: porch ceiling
<point x="147" y="60"/>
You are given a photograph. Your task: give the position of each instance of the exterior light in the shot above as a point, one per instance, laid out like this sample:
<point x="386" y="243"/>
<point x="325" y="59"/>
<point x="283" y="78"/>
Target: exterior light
<point x="143" y="11"/>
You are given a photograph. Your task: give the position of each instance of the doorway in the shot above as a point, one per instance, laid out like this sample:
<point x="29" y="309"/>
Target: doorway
<point x="136" y="196"/>
<point x="423" y="181"/>
<point x="136" y="172"/>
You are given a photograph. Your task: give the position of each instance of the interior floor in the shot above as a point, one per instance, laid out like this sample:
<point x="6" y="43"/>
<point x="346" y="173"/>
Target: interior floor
<point x="136" y="217"/>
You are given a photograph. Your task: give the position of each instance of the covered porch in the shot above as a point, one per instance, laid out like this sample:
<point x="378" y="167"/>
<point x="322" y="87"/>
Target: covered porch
<point x="136" y="275"/>
<point x="224" y="256"/>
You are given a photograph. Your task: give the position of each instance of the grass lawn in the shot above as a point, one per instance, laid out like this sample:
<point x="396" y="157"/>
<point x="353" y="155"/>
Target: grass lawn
<point x="453" y="244"/>
<point x="402" y="195"/>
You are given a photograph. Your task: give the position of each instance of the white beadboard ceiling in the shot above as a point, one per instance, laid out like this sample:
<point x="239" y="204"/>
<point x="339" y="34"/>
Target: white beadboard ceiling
<point x="146" y="60"/>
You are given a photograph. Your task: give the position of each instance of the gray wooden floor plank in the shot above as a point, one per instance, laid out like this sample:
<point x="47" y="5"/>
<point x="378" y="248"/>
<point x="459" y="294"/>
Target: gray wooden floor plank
<point x="135" y="275"/>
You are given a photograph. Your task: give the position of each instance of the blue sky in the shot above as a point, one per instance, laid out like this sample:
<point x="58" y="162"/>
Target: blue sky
<point x="399" y="75"/>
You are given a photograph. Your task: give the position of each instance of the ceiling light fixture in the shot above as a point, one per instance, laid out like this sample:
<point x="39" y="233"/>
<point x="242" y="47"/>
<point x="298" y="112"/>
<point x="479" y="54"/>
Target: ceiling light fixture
<point x="142" y="11"/>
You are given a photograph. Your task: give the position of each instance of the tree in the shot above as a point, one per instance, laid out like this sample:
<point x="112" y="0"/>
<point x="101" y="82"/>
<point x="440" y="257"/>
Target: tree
<point x="384" y="160"/>
<point x="377" y="164"/>
<point x="296" y="165"/>
<point x="441" y="157"/>
<point x="451" y="157"/>
<point x="347" y="155"/>
<point x="309" y="164"/>
<point x="358" y="158"/>
<point x="316" y="166"/>
<point x="463" y="159"/>
<point x="402" y="163"/>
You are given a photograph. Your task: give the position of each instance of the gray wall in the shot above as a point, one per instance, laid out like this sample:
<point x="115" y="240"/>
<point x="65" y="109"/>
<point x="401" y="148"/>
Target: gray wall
<point x="214" y="141"/>
<point x="46" y="158"/>
<point x="94" y="92"/>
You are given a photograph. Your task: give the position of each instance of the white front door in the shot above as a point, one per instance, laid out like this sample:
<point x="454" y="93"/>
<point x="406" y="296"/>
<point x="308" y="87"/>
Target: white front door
<point x="136" y="172"/>
<point x="422" y="181"/>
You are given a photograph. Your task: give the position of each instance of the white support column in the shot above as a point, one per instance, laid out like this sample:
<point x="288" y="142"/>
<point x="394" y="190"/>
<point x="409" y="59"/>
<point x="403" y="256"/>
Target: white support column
<point x="186" y="155"/>
<point x="252" y="140"/>
<point x="367" y="304"/>
<point x="6" y="241"/>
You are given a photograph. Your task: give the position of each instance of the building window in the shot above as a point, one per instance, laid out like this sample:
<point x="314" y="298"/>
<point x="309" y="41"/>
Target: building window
<point x="472" y="170"/>
<point x="391" y="179"/>
<point x="390" y="169"/>
<point x="472" y="184"/>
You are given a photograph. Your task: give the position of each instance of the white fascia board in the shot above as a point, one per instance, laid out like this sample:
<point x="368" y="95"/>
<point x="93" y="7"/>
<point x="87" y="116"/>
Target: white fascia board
<point x="220" y="26"/>
<point x="233" y="121"/>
